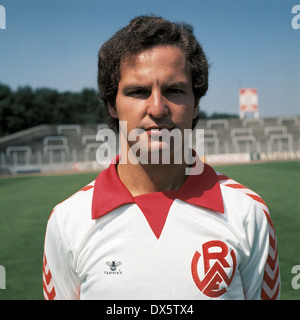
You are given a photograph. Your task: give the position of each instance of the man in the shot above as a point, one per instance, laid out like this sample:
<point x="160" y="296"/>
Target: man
<point x="146" y="230"/>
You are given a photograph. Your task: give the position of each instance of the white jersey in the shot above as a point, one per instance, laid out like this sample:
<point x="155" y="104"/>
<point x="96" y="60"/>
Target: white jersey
<point x="211" y="239"/>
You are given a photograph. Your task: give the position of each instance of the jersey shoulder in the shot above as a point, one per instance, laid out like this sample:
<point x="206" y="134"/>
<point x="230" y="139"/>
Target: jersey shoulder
<point x="72" y="215"/>
<point x="82" y="196"/>
<point x="242" y="191"/>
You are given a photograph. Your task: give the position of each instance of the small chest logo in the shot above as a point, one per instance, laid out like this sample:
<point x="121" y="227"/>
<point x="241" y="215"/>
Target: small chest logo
<point x="216" y="276"/>
<point x="113" y="265"/>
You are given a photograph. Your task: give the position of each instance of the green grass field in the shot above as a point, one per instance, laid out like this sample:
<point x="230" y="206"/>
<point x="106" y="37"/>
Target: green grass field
<point x="26" y="203"/>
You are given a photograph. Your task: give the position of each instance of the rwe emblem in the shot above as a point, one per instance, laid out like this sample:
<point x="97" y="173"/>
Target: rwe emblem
<point x="219" y="273"/>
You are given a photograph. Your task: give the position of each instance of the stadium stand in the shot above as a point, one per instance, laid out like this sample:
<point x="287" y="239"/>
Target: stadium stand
<point x="74" y="147"/>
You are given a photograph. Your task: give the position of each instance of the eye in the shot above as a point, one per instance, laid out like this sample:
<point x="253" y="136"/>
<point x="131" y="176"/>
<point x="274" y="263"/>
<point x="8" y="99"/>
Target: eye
<point x="174" y="91"/>
<point x="139" y="93"/>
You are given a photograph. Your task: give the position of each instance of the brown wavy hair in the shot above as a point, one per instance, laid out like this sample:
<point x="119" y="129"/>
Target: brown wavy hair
<point x="142" y="33"/>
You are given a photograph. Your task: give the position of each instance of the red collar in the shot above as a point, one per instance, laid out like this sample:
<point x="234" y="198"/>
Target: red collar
<point x="202" y="190"/>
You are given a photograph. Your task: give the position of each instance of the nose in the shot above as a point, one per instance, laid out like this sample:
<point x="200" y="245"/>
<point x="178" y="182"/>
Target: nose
<point x="157" y="104"/>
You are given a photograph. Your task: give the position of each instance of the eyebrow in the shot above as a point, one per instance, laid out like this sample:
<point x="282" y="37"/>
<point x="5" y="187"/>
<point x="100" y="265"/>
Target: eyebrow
<point x="133" y="87"/>
<point x="181" y="84"/>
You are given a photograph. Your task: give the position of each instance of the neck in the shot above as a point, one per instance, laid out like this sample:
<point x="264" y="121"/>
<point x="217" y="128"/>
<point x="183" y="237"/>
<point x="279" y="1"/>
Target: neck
<point x="146" y="178"/>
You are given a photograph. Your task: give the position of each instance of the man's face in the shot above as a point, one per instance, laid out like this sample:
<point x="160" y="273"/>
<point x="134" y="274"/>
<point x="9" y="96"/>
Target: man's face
<point x="155" y="92"/>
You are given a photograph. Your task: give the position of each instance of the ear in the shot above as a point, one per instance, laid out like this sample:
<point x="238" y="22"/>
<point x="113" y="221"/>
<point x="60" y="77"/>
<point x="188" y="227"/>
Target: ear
<point x="196" y="108"/>
<point x="112" y="111"/>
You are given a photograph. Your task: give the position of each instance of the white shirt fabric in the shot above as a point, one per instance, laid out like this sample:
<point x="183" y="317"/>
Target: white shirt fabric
<point x="211" y="239"/>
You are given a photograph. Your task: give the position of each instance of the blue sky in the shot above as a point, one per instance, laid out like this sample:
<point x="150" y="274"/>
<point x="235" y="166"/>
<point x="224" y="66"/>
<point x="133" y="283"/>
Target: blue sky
<point x="249" y="43"/>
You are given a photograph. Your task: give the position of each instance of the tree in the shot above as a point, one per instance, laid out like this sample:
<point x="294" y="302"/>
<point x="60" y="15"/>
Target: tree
<point x="5" y="102"/>
<point x="26" y="107"/>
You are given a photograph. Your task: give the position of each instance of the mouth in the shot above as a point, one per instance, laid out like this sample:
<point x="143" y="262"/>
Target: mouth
<point x="157" y="129"/>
